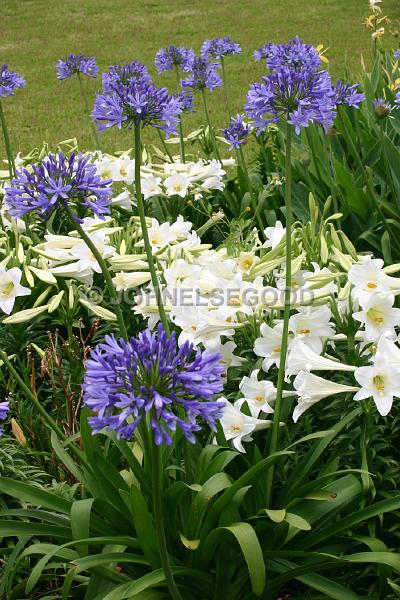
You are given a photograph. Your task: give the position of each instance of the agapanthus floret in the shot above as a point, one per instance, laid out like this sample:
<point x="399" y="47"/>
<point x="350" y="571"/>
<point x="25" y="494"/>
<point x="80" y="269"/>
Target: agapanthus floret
<point x="9" y="82"/>
<point x="56" y="182"/>
<point x="348" y="94"/>
<point x="397" y="99"/>
<point x="397" y="54"/>
<point x="150" y="375"/>
<point x="302" y="96"/>
<point x="294" y="55"/>
<point x="167" y="59"/>
<point x="74" y="64"/>
<point x="202" y="75"/>
<point x="137" y="102"/>
<point x="124" y="74"/>
<point x="186" y="101"/>
<point x="238" y="132"/>
<point x="4" y="410"/>
<point x="219" y="47"/>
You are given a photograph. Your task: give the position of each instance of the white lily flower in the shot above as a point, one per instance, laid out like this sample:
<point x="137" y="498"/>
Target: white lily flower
<point x="379" y="317"/>
<point x="380" y="381"/>
<point x="177" y="184"/>
<point x="302" y="358"/>
<point x="123" y="200"/>
<point x="257" y="394"/>
<point x="269" y="345"/>
<point x="11" y="288"/>
<point x="312" y="325"/>
<point x="75" y="270"/>
<point x="151" y="187"/>
<point x="239" y="427"/>
<point x="126" y="281"/>
<point x="274" y="235"/>
<point x="125" y="170"/>
<point x="87" y="259"/>
<point x="311" y="389"/>
<point x="228" y="358"/>
<point x="369" y="278"/>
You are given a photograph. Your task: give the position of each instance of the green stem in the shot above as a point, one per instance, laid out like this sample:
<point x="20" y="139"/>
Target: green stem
<point x="145" y="233"/>
<point x="212" y="134"/>
<point x="104" y="269"/>
<point x="286" y="314"/>
<point x="256" y="211"/>
<point x="167" y="152"/>
<point x="181" y="142"/>
<point x="85" y="100"/>
<point x="10" y="156"/>
<point x="159" y="521"/>
<point x="31" y="396"/>
<point x="225" y="82"/>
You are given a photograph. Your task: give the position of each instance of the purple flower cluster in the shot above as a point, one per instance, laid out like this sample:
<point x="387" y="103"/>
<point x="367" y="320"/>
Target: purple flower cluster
<point x="74" y="64"/>
<point x="397" y="97"/>
<point x="150" y="375"/>
<point x="397" y="54"/>
<point x="124" y="74"/>
<point x="219" y="47"/>
<point x="382" y="108"/>
<point x="202" y="75"/>
<point x="348" y="94"/>
<point x="238" y="132"/>
<point x="186" y="101"/>
<point x="9" y="82"/>
<point x="294" y="55"/>
<point x="295" y="88"/>
<point x="4" y="410"/>
<point x="167" y="59"/>
<point x="56" y="182"/>
<point x="136" y="101"/>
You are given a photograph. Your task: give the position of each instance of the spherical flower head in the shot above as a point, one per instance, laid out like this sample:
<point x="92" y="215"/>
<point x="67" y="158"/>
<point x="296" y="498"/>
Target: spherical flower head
<point x="56" y="182"/>
<point x="294" y="55"/>
<point x="124" y="74"/>
<point x="137" y="102"/>
<point x="150" y="375"/>
<point x="238" y="132"/>
<point x="9" y="82"/>
<point x="219" y="47"/>
<point x="382" y="108"/>
<point x="348" y="94"/>
<point x="75" y="64"/>
<point x="301" y="95"/>
<point x="167" y="59"/>
<point x="202" y="75"/>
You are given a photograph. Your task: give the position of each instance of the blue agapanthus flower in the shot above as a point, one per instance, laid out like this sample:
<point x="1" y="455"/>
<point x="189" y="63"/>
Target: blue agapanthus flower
<point x="294" y="55"/>
<point x="238" y="132"/>
<point x="302" y="96"/>
<point x="74" y="64"/>
<point x="348" y="94"/>
<point x="186" y="101"/>
<point x="136" y="102"/>
<point x="124" y="74"/>
<point x="167" y="59"/>
<point x="9" y="82"/>
<point x="397" y="97"/>
<point x="150" y="375"/>
<point x="382" y="108"/>
<point x="219" y="47"/>
<point x="397" y="54"/>
<point x="4" y="410"/>
<point x="202" y="75"/>
<point x="56" y="182"/>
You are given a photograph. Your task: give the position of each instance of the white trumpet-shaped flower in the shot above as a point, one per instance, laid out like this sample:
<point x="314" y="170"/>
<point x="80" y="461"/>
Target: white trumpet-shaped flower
<point x="11" y="288"/>
<point x="257" y="394"/>
<point x="380" y="381"/>
<point x="312" y="326"/>
<point x="269" y="345"/>
<point x="302" y="358"/>
<point x="379" y="317"/>
<point x="311" y="389"/>
<point x="274" y="235"/>
<point x="369" y="278"/>
<point x="239" y="427"/>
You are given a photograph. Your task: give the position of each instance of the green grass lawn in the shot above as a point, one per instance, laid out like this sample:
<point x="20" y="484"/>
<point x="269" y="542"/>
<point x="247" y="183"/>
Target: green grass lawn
<point x="35" y="33"/>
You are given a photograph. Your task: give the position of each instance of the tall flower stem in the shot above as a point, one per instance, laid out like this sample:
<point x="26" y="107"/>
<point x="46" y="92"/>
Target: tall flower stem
<point x="105" y="271"/>
<point x="210" y="127"/>
<point x="85" y="100"/>
<point x="164" y="145"/>
<point x="225" y="82"/>
<point x="30" y="395"/>
<point x="159" y="522"/>
<point x="10" y="156"/>
<point x="181" y="142"/>
<point x="256" y="215"/>
<point x="145" y="233"/>
<point x="286" y="314"/>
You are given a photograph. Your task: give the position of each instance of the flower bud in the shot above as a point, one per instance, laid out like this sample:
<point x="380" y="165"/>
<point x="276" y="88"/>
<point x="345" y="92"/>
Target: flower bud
<point x="18" y="433"/>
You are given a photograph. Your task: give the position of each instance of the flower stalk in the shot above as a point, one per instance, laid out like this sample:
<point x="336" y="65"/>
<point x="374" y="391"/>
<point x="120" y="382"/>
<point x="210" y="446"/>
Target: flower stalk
<point x="87" y="108"/>
<point x="181" y="141"/>
<point x="7" y="143"/>
<point x="145" y="233"/>
<point x="210" y="127"/>
<point x="286" y="314"/>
